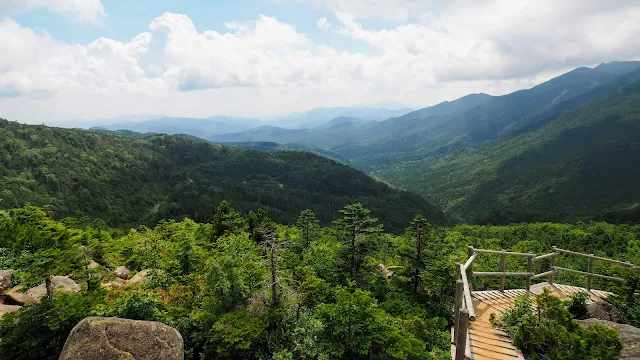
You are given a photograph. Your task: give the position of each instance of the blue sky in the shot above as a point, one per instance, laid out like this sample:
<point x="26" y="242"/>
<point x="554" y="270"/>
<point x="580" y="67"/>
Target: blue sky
<point x="96" y="59"/>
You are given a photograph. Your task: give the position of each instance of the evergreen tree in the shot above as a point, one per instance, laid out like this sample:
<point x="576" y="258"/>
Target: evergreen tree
<point x="308" y="225"/>
<point x="355" y="223"/>
<point x="419" y="230"/>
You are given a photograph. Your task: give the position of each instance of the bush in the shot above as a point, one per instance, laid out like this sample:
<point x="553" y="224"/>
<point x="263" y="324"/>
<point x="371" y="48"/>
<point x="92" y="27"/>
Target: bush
<point x="38" y="332"/>
<point x="577" y="305"/>
<point x="549" y="332"/>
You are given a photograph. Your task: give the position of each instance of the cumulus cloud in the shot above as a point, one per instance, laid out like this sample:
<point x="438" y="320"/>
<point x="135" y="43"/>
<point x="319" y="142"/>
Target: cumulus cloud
<point x="83" y="10"/>
<point x="268" y="66"/>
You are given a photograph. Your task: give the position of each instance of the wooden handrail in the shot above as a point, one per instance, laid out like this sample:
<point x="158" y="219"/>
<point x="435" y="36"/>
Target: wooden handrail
<point x="470" y="261"/>
<point x="623" y="263"/>
<point x="588" y="274"/>
<point x="553" y="254"/>
<point x="468" y="300"/>
<point x="501" y="252"/>
<point x="484" y="273"/>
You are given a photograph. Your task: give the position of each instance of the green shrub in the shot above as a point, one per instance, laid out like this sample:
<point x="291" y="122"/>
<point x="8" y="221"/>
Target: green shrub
<point x="38" y="332"/>
<point x="577" y="305"/>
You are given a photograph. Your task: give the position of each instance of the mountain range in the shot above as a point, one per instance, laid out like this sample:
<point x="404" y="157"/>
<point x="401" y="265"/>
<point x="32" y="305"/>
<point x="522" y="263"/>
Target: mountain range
<point x="452" y="153"/>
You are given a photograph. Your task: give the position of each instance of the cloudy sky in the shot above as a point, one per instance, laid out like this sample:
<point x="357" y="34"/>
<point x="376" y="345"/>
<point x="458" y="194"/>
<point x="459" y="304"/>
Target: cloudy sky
<point x="93" y="59"/>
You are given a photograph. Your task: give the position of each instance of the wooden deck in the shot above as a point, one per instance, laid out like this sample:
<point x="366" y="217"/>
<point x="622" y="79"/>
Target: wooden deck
<point x="487" y="342"/>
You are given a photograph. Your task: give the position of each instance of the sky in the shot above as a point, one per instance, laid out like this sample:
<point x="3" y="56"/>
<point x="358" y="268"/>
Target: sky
<point x="97" y="59"/>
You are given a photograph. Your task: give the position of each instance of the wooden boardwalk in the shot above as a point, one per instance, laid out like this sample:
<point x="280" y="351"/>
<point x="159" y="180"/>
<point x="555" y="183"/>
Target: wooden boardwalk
<point x="487" y="342"/>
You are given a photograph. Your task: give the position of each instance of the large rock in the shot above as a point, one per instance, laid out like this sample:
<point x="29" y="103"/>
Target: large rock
<point x="629" y="335"/>
<point x="97" y="338"/>
<point x="140" y="278"/>
<point x="33" y="295"/>
<point x="604" y="311"/>
<point x="113" y="284"/>
<point x="5" y="309"/>
<point x="122" y="272"/>
<point x="93" y="265"/>
<point x="17" y="296"/>
<point x="6" y="280"/>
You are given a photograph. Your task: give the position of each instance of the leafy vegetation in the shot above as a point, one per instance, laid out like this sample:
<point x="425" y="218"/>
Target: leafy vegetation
<point x="548" y="331"/>
<point x="214" y="281"/>
<point x="126" y="181"/>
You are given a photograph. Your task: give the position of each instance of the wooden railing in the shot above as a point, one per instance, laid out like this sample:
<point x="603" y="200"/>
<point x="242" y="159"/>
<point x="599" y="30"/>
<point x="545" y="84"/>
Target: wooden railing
<point x="464" y="313"/>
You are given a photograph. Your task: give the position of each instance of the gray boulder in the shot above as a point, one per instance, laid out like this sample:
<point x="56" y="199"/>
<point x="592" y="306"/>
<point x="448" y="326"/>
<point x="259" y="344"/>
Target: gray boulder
<point x="604" y="311"/>
<point x="122" y="272"/>
<point x="5" y="309"/>
<point x="6" y="280"/>
<point x="140" y="278"/>
<point x="97" y="338"/>
<point x="33" y="295"/>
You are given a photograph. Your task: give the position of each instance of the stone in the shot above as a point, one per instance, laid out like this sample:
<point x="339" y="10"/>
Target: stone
<point x="93" y="265"/>
<point x="5" y="309"/>
<point x="33" y="295"/>
<point x="604" y="311"/>
<point x="122" y="272"/>
<point x="96" y="338"/>
<point x="629" y="335"/>
<point x="113" y="284"/>
<point x="16" y="296"/>
<point x="140" y="278"/>
<point x="6" y="280"/>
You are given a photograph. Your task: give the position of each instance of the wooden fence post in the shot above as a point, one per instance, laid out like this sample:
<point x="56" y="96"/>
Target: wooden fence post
<point x="590" y="271"/>
<point x="502" y="270"/>
<point x="530" y="271"/>
<point x="552" y="265"/>
<point x="458" y="306"/>
<point x="461" y="339"/>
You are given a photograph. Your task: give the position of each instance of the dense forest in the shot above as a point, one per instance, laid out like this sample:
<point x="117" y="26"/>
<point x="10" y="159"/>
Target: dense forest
<point x="244" y="287"/>
<point x="130" y="181"/>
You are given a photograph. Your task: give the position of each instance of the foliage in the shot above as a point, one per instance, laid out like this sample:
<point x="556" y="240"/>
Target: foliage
<point x="216" y="289"/>
<point x="550" y="332"/>
<point x="577" y="305"/>
<point x="39" y="332"/>
<point x="128" y="182"/>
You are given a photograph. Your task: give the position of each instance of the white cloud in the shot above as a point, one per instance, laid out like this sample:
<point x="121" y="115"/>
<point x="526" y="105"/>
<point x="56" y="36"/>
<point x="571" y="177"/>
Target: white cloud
<point x="83" y="10"/>
<point x="324" y="24"/>
<point x="267" y="66"/>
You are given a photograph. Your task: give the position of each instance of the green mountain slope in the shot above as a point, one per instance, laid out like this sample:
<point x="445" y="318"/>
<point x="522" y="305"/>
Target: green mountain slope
<point x="580" y="164"/>
<point x="125" y="181"/>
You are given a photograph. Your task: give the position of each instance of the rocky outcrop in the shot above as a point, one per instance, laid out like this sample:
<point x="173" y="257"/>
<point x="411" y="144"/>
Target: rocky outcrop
<point x="33" y="295"/>
<point x="5" y="309"/>
<point x="122" y="272"/>
<point x="121" y="339"/>
<point x="93" y="265"/>
<point x="604" y="311"/>
<point x="629" y="335"/>
<point x="140" y="278"/>
<point x="113" y="284"/>
<point x="6" y="280"/>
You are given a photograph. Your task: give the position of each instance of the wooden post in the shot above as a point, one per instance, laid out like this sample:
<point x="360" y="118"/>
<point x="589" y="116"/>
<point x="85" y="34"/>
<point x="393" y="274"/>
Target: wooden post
<point x="458" y="271"/>
<point x="470" y="252"/>
<point x="552" y="265"/>
<point x="590" y="271"/>
<point x="461" y="337"/>
<point x="530" y="271"/>
<point x="502" y="270"/>
<point x="458" y="306"/>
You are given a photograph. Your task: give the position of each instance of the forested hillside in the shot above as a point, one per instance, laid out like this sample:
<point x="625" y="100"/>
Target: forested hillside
<point x="127" y="181"/>
<point x="576" y="166"/>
